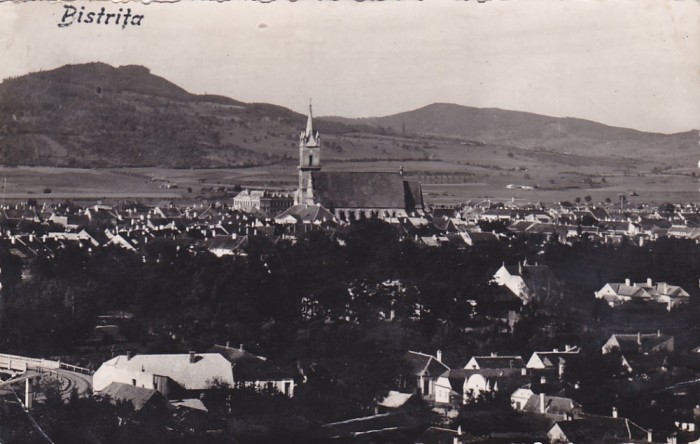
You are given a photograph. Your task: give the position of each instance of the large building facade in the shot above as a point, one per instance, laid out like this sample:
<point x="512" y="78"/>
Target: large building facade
<point x="352" y="195"/>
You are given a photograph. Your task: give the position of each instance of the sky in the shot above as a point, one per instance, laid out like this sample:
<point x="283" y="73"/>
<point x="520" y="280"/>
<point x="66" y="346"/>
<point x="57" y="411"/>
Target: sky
<point x="628" y="63"/>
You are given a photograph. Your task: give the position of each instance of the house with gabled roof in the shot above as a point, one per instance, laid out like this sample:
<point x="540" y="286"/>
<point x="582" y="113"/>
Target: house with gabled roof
<point x="490" y="374"/>
<point x="616" y="294"/>
<point x="553" y="361"/>
<point x="170" y="374"/>
<point x="643" y="343"/>
<point x="426" y="369"/>
<point x="254" y="371"/>
<point x="641" y="353"/>
<point x="527" y="281"/>
<point x="303" y="217"/>
<point x="141" y="398"/>
<point x="495" y="362"/>
<point x="479" y="239"/>
<point x="554" y="407"/>
<point x="596" y="429"/>
<point x="232" y="245"/>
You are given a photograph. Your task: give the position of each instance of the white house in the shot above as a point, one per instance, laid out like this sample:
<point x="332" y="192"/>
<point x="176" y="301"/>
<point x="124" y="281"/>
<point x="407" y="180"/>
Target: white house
<point x="427" y="369"/>
<point x="165" y="373"/>
<point x="616" y="294"/>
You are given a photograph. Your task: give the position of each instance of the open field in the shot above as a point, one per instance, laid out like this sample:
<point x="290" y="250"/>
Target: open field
<point x="479" y="173"/>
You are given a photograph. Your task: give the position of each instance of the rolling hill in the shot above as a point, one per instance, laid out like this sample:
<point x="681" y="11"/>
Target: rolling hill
<point x="96" y="115"/>
<point x="532" y="131"/>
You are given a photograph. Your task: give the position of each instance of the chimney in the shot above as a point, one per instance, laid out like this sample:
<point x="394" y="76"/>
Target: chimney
<point x="438" y="355"/>
<point x="523" y="371"/>
<point x="128" y="355"/>
<point x="627" y="282"/>
<point x="240" y="347"/>
<point x="228" y="344"/>
<point x="649" y="435"/>
<point x="542" y="409"/>
<point x="639" y="338"/>
<point x="543" y="379"/>
<point x="658" y="333"/>
<point x="614" y="412"/>
<point x="649" y="282"/>
<point x="192" y="357"/>
<point x="494" y="354"/>
<point x="459" y="430"/>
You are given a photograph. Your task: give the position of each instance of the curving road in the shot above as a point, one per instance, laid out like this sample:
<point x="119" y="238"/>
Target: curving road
<point x="70" y="381"/>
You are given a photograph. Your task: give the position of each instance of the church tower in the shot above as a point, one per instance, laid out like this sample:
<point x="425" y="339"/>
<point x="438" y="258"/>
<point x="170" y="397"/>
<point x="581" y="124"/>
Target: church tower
<point x="309" y="161"/>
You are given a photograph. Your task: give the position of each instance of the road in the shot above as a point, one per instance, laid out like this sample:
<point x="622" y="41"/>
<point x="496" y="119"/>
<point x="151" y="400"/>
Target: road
<point x="74" y="381"/>
<point x="69" y="380"/>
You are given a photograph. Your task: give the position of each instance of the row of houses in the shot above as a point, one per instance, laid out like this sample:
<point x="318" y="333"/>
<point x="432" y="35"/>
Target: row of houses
<point x="537" y="387"/>
<point x="218" y="228"/>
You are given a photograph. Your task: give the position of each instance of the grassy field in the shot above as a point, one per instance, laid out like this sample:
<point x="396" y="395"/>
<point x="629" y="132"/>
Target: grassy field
<point x="451" y="171"/>
<point x="478" y="173"/>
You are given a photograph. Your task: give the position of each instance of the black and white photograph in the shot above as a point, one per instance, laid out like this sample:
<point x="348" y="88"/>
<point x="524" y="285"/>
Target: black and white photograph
<point x="352" y="222"/>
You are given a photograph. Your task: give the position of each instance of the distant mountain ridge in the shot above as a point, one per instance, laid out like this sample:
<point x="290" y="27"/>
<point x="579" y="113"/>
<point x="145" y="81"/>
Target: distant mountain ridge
<point x="529" y="131"/>
<point x="97" y="115"/>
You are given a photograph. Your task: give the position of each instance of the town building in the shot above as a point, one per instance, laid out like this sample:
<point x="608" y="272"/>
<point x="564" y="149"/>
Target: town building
<point x="616" y="294"/>
<point x="352" y="195"/>
<point x="169" y="374"/>
<point x="263" y="201"/>
<point x="528" y="282"/>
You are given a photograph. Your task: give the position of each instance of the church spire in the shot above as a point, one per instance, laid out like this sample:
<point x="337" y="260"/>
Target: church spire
<point x="309" y="160"/>
<point x="309" y="123"/>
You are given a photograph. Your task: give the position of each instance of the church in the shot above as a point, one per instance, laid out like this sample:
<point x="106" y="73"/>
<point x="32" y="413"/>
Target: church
<point x="352" y="195"/>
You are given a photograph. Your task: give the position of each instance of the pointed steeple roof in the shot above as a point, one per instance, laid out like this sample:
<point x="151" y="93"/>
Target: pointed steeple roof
<point x="309" y="123"/>
<point x="310" y="135"/>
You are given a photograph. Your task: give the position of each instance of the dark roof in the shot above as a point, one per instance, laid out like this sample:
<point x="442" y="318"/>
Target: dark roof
<point x="413" y="195"/>
<point x="600" y="213"/>
<point x="553" y="405"/>
<point x="427" y="365"/>
<point x="484" y="237"/>
<point x="640" y="343"/>
<point x="364" y="190"/>
<point x="600" y="429"/>
<point x="228" y="242"/>
<point x="499" y="362"/>
<point x="437" y="435"/>
<point x="308" y="213"/>
<point x="137" y="396"/>
<point x="249" y="367"/>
